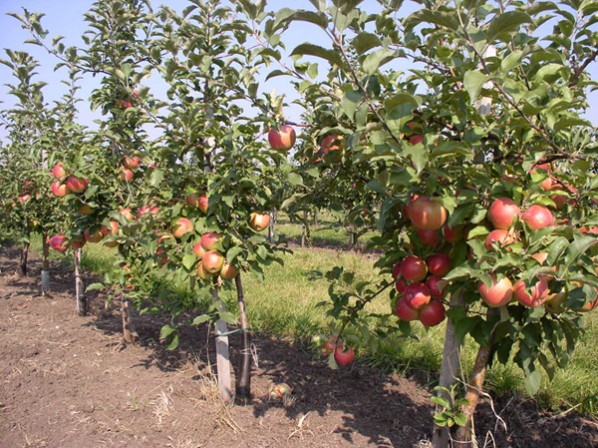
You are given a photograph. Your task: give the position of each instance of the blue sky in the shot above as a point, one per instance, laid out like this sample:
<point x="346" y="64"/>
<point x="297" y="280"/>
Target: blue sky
<point x="65" y="17"/>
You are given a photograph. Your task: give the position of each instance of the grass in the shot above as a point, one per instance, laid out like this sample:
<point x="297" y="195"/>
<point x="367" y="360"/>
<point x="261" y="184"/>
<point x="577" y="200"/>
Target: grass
<point x="286" y="306"/>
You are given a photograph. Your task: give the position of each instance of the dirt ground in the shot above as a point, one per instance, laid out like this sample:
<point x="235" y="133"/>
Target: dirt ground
<point x="69" y="382"/>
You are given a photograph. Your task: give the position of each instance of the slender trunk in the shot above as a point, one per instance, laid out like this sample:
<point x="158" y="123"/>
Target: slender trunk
<point x="243" y="388"/>
<point x="45" y="265"/>
<point x="24" y="258"/>
<point x="129" y="333"/>
<point x="315" y="218"/>
<point x="81" y="306"/>
<point x="303" y="228"/>
<point x="271" y="228"/>
<point x="449" y="369"/>
<point x="475" y="386"/>
<point x="222" y="353"/>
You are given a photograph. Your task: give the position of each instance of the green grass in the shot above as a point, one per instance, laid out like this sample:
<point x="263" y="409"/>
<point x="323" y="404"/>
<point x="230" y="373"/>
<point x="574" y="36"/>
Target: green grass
<point x="285" y="306"/>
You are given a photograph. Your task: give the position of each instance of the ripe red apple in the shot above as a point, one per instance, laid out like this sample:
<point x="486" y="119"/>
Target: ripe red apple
<point x="439" y="264"/>
<point x="202" y="273"/>
<point x="210" y="239"/>
<point x="501" y="236"/>
<point x="540" y="257"/>
<point x="24" y="198"/>
<point x="282" y="139"/>
<point x="203" y="203"/>
<point x="503" y="212"/>
<point x="417" y="138"/>
<point x="59" y="189"/>
<point x="400" y="285"/>
<point x="131" y="162"/>
<point x="589" y="306"/>
<point x="432" y="314"/>
<point x="198" y="250"/>
<point x="76" y="184"/>
<point x="548" y="183"/>
<point x="126" y="212"/>
<point x="86" y="210"/>
<point x="427" y="213"/>
<point x="199" y="201"/>
<point x="127" y="175"/>
<point x="453" y="235"/>
<point x="181" y="227"/>
<point x="77" y="242"/>
<point x="405" y="312"/>
<point x="59" y="243"/>
<point x="344" y="357"/>
<point x="396" y="270"/>
<point x="93" y="237"/>
<point x="259" y="221"/>
<point x="428" y="237"/>
<point x="498" y="294"/>
<point x="228" y="271"/>
<point x="535" y="296"/>
<point x="414" y="269"/>
<point x="331" y="143"/>
<point x="330" y="345"/>
<point x="58" y="171"/>
<point x="538" y="217"/>
<point x="417" y="295"/>
<point x="433" y="284"/>
<point x="212" y="262"/>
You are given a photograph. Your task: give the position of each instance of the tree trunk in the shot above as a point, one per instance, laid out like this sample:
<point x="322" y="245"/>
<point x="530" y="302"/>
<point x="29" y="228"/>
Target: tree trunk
<point x="449" y="369"/>
<point x="81" y="306"/>
<point x="222" y="353"/>
<point x="304" y="228"/>
<point x="24" y="258"/>
<point x="45" y="265"/>
<point x="129" y="333"/>
<point x="271" y="228"/>
<point x="475" y="386"/>
<point x="243" y="387"/>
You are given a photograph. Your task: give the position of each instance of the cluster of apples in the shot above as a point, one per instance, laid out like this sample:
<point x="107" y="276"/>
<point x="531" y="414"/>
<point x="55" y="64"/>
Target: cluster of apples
<point x="65" y="184"/>
<point x="211" y="261"/>
<point x="129" y="165"/>
<point x="419" y="281"/>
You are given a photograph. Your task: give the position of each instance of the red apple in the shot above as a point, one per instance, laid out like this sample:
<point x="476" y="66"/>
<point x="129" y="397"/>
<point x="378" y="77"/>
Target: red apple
<point x="331" y="143"/>
<point x="58" y="171"/>
<point x="503" y="212"/>
<point x="59" y="190"/>
<point x="127" y="175"/>
<point x="428" y="237"/>
<point x="400" y="285"/>
<point x="76" y="184"/>
<point x="453" y="235"/>
<point x="413" y="269"/>
<point x="535" y="296"/>
<point x="59" y="243"/>
<point x="228" y="271"/>
<point x="417" y="295"/>
<point x="181" y="227"/>
<point x="203" y="203"/>
<point x="538" y="217"/>
<point x="282" y="139"/>
<point x="202" y="273"/>
<point x="540" y="257"/>
<point x="498" y="294"/>
<point x="126" y="213"/>
<point x="501" y="236"/>
<point x="433" y="284"/>
<point x="396" y="270"/>
<point x="93" y="237"/>
<point x="344" y="357"/>
<point x="212" y="262"/>
<point x="210" y="239"/>
<point x="77" y="242"/>
<point x="131" y="162"/>
<point x="427" y="213"/>
<point x="330" y="345"/>
<point x="548" y="183"/>
<point x="405" y="312"/>
<point x="259" y="221"/>
<point x="439" y="264"/>
<point x="86" y="210"/>
<point x="417" y="138"/>
<point x="432" y="314"/>
<point x="24" y="198"/>
<point x="198" y="250"/>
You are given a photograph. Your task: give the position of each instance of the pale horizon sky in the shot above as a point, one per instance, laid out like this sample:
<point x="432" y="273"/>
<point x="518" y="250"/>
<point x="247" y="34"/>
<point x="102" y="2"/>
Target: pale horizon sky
<point x="63" y="17"/>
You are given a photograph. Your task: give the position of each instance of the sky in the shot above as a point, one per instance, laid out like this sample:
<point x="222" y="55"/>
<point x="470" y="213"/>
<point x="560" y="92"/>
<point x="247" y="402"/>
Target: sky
<point x="65" y="18"/>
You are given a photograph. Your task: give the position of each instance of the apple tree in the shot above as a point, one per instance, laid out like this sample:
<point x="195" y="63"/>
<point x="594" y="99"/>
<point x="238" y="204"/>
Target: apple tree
<point x="453" y="108"/>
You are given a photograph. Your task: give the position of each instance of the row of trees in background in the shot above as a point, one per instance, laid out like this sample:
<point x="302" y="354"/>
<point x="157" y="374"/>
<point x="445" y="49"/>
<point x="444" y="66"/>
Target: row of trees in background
<point x="475" y="167"/>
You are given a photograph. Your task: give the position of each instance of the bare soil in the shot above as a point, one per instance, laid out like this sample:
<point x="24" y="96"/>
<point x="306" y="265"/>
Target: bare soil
<point x="68" y="382"/>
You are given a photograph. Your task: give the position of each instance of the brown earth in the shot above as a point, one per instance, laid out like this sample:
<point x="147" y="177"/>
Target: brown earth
<point x="68" y="382"/>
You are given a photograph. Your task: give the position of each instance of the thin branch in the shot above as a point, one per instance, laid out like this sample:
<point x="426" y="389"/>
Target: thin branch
<point x="591" y="58"/>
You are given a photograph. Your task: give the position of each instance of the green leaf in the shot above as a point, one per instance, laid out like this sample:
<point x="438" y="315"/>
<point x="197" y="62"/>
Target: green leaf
<point x="399" y="99"/>
<point x="507" y="22"/>
<point x="295" y="179"/>
<point x="189" y="260"/>
<point x="533" y="381"/>
<point x="286" y="15"/>
<point x="307" y="49"/>
<point x="156" y="177"/>
<point x="95" y="287"/>
<point x="556" y="250"/>
<point x="473" y="82"/>
<point x="577" y="248"/>
<point x="228" y="317"/>
<point x="201" y="319"/>
<point x="446" y="19"/>
<point x="350" y="101"/>
<point x="166" y="331"/>
<point x="511" y="61"/>
<point x="374" y="60"/>
<point x="366" y="41"/>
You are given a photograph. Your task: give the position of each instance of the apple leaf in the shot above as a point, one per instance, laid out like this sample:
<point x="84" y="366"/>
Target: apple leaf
<point x="307" y="49"/>
<point x="201" y="319"/>
<point x="473" y="82"/>
<point x="507" y="22"/>
<point x="533" y="381"/>
<point x="366" y="41"/>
